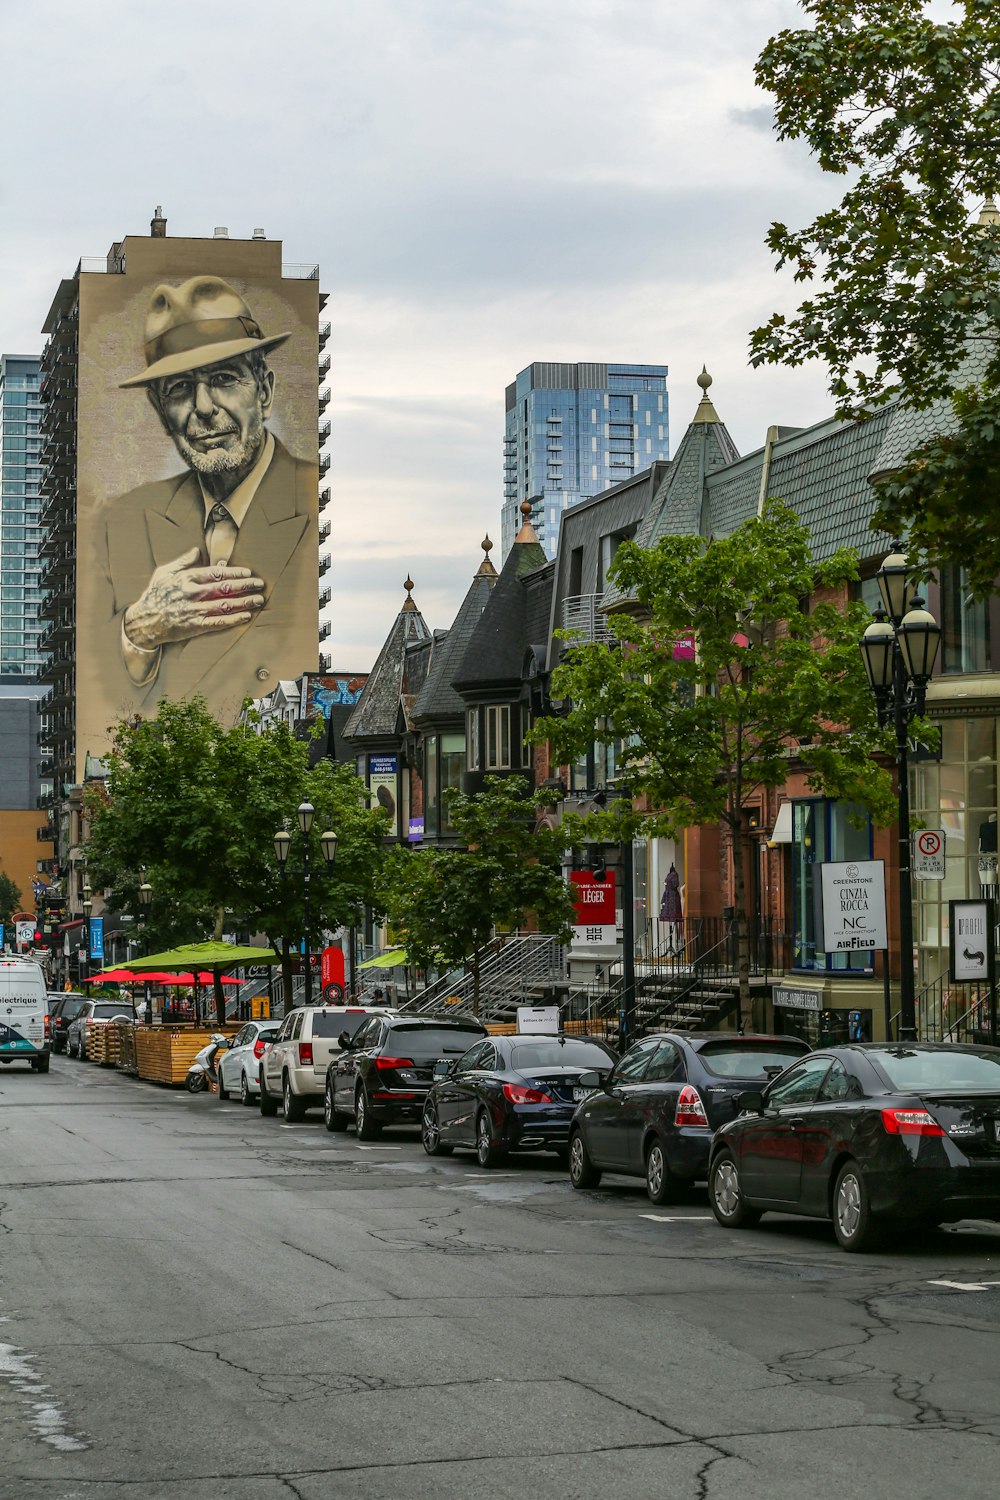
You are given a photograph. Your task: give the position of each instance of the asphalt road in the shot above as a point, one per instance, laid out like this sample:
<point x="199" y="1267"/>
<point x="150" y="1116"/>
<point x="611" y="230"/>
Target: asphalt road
<point x="196" y="1302"/>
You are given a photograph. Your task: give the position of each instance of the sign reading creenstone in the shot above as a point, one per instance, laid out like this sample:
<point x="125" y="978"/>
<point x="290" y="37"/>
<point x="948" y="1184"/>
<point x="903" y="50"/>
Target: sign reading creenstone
<point x="853" y="901"/>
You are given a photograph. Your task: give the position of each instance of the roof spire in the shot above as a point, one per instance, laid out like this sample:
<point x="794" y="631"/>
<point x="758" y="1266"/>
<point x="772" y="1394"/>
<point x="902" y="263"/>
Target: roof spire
<point x="486" y="568"/>
<point x="527" y="532"/>
<point x="706" y="411"/>
<point x="989" y="214"/>
<point x="408" y="586"/>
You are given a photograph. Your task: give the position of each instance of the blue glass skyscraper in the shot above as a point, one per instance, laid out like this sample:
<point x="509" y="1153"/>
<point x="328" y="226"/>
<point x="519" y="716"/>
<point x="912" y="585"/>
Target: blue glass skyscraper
<point x="575" y="430"/>
<point x="20" y="478"/>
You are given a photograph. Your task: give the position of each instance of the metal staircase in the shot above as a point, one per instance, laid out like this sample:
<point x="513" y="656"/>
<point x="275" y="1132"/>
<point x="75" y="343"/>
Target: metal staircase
<point x="517" y="971"/>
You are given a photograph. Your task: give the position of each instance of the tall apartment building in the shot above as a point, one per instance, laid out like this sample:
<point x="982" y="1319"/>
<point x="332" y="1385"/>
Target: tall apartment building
<point x="181" y="429"/>
<point x="20" y="476"/>
<point x="573" y="431"/>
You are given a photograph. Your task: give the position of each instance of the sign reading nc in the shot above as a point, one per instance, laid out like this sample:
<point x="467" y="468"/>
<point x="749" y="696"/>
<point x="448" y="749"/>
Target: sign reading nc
<point x="852" y="894"/>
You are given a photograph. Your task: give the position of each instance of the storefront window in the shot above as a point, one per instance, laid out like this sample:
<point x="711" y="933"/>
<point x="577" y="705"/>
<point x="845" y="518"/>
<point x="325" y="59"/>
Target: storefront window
<point x="823" y="832"/>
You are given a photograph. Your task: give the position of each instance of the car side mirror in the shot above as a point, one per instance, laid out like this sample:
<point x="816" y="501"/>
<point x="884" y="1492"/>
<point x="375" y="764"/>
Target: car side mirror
<point x="441" y="1068"/>
<point x="750" y="1102"/>
<point x="592" y="1080"/>
<point x="344" y="1039"/>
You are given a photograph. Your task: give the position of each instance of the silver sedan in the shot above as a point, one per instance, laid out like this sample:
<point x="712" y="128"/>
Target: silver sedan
<point x="238" y="1064"/>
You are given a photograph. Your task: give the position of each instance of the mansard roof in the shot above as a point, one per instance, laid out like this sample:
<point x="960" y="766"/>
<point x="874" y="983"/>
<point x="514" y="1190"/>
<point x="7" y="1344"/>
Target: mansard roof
<point x="377" y="711"/>
<point x="438" y="701"/>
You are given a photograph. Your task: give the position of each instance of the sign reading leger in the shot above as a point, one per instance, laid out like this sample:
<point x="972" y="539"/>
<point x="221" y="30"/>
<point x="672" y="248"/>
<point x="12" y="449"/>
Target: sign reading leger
<point x="196" y="479"/>
<point x="853" y="900"/>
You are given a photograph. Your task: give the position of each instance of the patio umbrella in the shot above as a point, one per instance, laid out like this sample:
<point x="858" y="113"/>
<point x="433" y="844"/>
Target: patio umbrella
<point x="392" y="958"/>
<point x="115" y="976"/>
<point x="193" y="958"/>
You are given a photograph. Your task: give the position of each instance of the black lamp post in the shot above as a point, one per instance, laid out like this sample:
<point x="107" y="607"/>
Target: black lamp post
<point x="145" y="901"/>
<point x="306" y="815"/>
<point x="88" y="906"/>
<point x="899" y="650"/>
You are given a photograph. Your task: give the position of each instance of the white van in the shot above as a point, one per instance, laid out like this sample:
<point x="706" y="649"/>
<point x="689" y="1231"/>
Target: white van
<point x="24" y="1014"/>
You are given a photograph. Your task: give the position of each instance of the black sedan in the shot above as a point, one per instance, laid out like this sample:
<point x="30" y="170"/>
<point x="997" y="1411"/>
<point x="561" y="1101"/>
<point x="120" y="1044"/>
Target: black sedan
<point x="867" y="1135"/>
<point x="655" y="1115"/>
<point x="384" y="1069"/>
<point x="511" y="1093"/>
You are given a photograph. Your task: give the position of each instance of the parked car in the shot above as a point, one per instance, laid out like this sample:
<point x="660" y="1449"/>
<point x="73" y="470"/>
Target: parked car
<point x="655" y="1115"/>
<point x="510" y="1093"/>
<point x="91" y="1011"/>
<point x="867" y="1135"/>
<point x="292" y="1071"/>
<point x="69" y="1007"/>
<point x="383" y="1072"/>
<point x="238" y="1066"/>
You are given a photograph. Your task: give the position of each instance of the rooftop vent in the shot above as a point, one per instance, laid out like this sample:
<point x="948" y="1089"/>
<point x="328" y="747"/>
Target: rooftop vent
<point x="259" y="234"/>
<point x="220" y="232"/>
<point x="158" y="225"/>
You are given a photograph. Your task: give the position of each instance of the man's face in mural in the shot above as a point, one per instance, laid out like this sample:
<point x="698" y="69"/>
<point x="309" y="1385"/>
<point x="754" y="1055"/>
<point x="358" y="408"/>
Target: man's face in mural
<point x="216" y="415"/>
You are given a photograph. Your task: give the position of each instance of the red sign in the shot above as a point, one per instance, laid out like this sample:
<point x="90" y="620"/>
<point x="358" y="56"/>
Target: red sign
<point x="594" y="899"/>
<point x="332" y="967"/>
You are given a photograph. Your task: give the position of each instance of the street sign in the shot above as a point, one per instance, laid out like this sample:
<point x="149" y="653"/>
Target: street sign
<point x="928" y="854"/>
<point x="970" y="941"/>
<point x="540" y="1019"/>
<point x="797" y="999"/>
<point x="853" y="906"/>
<point x="25" y="932"/>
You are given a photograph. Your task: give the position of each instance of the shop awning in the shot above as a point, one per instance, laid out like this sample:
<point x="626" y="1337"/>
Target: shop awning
<point x="781" y="833"/>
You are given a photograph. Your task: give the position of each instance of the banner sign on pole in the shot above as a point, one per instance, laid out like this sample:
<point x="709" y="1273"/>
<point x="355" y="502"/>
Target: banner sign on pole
<point x="852" y="894"/>
<point x="928" y="854"/>
<point x="595" y="908"/>
<point x="970" y="941"/>
<point x="97" y="938"/>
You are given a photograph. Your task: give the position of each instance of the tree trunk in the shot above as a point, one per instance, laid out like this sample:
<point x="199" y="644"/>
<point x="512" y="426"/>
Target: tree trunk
<point x="742" y="934"/>
<point x="220" y="922"/>
<point x="286" y="972"/>
<point x="220" y="997"/>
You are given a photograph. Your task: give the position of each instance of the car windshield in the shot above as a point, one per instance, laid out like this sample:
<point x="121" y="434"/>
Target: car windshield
<point x="433" y="1041"/>
<point x="105" y="1012"/>
<point x="911" y="1070"/>
<point x="526" y="1057"/>
<point x="332" y="1023"/>
<point x="748" y="1059"/>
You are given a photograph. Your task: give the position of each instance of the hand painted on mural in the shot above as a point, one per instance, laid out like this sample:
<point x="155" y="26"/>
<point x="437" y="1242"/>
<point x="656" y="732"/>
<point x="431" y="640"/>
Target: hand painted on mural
<point x="184" y="598"/>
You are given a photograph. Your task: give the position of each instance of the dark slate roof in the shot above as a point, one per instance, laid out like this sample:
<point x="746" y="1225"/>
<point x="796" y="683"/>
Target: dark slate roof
<point x="506" y="627"/>
<point x="376" y="713"/>
<point x="910" y="429"/>
<point x="438" y="701"/>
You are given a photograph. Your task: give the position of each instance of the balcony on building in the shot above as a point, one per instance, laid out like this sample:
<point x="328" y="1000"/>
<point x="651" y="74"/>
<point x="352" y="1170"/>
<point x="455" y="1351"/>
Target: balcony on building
<point x="324" y="465"/>
<point x="325" y="597"/>
<point x="324" y="399"/>
<point x="324" y="530"/>
<point x="324" y="499"/>
<point x="325" y="661"/>
<point x="324" y="631"/>
<point x="324" y="335"/>
<point x="580" y="614"/>
<point x="324" y="564"/>
<point x="324" y="367"/>
<point x="324" y="432"/>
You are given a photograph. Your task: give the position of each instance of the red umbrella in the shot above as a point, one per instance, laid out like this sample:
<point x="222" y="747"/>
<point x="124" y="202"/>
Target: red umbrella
<point x="116" y="976"/>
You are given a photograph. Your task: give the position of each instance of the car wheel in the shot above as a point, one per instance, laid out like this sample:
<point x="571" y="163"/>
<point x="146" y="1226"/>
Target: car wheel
<point x="430" y="1133"/>
<point x="488" y="1153"/>
<point x="333" y="1119"/>
<point x="854" y="1224"/>
<point x="292" y="1108"/>
<point x="661" y="1185"/>
<point x="367" y="1127"/>
<point x="42" y="1065"/>
<point x="223" y="1091"/>
<point x="726" y="1195"/>
<point x="246" y="1097"/>
<point x="268" y="1104"/>
<point x="71" y="1049"/>
<point x="582" y="1172"/>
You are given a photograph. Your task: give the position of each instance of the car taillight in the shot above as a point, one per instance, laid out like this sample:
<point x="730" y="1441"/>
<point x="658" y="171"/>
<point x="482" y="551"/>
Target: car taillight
<point x="48" y="1025"/>
<point x="394" y="1062"/>
<point x="258" y="1047"/>
<point x="305" y="1054"/>
<point x="910" y="1122"/>
<point x="690" y="1110"/>
<point x="518" y="1095"/>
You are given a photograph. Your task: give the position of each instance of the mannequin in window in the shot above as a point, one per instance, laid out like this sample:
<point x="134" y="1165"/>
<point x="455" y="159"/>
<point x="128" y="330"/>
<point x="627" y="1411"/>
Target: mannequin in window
<point x="672" y="910"/>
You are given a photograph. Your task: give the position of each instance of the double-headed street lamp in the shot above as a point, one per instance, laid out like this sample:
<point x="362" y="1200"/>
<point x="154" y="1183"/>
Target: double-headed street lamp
<point x="306" y="814"/>
<point x="899" y="649"/>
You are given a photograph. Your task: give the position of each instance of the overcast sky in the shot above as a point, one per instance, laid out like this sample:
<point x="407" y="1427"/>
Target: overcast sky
<point x="483" y="185"/>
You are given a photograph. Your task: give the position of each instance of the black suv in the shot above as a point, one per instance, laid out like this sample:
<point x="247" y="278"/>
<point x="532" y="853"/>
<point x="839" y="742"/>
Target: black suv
<point x="382" y="1073"/>
<point x="62" y="1014"/>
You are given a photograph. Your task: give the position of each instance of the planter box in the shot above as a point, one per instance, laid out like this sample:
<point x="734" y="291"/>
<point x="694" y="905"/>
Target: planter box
<point x="164" y="1055"/>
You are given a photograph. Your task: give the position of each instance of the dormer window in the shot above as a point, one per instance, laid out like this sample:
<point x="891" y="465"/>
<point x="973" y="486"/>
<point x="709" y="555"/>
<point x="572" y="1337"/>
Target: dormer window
<point x="498" y="737"/>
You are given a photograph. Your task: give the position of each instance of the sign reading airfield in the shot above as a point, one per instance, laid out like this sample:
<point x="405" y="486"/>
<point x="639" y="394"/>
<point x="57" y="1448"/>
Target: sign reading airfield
<point x="928" y="854"/>
<point x="852" y="895"/>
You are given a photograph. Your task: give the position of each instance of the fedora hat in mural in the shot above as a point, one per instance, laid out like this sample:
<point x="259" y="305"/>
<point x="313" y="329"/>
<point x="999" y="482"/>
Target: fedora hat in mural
<point x="198" y="323"/>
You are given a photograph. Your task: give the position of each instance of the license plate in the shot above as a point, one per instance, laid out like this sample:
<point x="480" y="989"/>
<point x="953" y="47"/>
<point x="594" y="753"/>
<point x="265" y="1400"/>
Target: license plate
<point x="579" y="1094"/>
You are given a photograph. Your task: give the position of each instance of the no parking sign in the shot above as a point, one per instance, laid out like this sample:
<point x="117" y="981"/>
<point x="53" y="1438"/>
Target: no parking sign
<point x="928" y="854"/>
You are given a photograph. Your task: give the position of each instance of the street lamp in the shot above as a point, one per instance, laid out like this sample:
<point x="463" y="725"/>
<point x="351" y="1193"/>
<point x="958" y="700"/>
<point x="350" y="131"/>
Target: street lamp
<point x="306" y="815"/>
<point x="899" y="650"/>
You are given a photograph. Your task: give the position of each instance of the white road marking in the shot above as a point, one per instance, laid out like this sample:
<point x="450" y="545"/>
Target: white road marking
<point x="966" y="1286"/>
<point x="377" y="1148"/>
<point x="678" y="1218"/>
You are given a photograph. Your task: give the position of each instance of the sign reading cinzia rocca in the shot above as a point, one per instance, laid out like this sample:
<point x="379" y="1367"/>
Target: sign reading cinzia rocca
<point x="852" y="895"/>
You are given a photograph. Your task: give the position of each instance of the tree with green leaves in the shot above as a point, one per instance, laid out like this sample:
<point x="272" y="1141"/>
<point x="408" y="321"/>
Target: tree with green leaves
<point x="10" y="897"/>
<point x="904" y="298"/>
<point x="771" y="683"/>
<point x="195" y="806"/>
<point x="447" y="902"/>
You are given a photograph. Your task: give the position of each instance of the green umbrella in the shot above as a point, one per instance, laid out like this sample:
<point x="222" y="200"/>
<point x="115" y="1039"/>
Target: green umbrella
<point x="206" y="956"/>
<point x="392" y="958"/>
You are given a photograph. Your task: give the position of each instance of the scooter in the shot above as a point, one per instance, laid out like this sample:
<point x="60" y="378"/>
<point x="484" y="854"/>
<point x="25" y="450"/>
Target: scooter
<point x="202" y="1071"/>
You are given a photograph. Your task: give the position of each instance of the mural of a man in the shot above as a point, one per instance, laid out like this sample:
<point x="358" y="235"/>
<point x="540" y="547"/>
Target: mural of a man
<point x="205" y="575"/>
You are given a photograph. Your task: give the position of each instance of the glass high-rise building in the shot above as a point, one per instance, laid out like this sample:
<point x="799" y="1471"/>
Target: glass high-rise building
<point x="574" y="431"/>
<point x="20" y="479"/>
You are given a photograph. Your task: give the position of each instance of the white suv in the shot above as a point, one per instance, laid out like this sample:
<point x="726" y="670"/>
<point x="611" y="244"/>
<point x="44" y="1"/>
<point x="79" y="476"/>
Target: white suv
<point x="293" y="1068"/>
